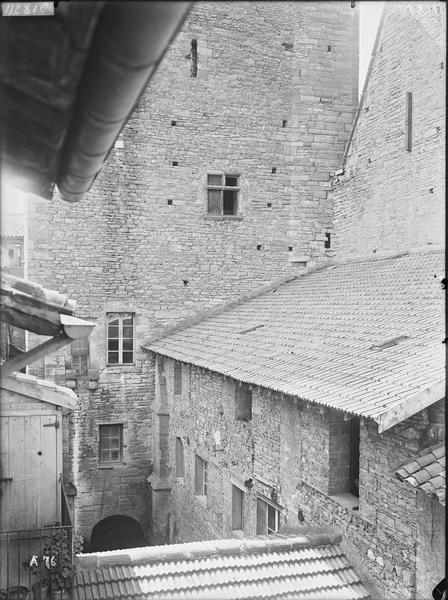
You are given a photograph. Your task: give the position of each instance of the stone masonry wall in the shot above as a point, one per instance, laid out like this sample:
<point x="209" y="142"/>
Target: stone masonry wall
<point x="390" y="198"/>
<point x="273" y="101"/>
<point x="284" y="452"/>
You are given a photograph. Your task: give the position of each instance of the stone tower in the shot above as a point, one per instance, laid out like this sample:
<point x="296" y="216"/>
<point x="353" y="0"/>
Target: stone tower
<point x="216" y="186"/>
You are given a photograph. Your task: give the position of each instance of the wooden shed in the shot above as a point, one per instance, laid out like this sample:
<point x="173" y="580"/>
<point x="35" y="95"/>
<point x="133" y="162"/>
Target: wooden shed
<point x="31" y="451"/>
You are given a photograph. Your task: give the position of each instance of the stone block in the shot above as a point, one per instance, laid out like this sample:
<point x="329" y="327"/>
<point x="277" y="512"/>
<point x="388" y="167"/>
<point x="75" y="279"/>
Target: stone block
<point x="94" y="374"/>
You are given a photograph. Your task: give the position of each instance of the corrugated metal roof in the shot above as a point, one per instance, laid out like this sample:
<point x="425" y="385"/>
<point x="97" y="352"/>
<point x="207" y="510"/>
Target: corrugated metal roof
<point x="284" y="567"/>
<point x="12" y="224"/>
<point x="427" y="472"/>
<point x="329" y="337"/>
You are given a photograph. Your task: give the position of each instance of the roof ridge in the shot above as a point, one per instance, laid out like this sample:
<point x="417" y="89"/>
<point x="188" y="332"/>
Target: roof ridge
<point x="196" y="550"/>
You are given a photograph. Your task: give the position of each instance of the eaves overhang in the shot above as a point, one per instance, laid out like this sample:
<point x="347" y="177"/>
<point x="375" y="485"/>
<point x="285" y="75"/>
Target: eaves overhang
<point x="45" y="391"/>
<point x="68" y="84"/>
<point x="29" y="306"/>
<point x="410" y="405"/>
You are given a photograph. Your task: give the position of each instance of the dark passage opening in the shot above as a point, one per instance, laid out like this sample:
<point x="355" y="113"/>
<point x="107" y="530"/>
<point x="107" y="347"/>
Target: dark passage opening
<point x="115" y="533"/>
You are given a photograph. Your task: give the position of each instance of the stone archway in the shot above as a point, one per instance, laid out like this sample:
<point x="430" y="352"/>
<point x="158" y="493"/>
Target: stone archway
<point x="115" y="533"/>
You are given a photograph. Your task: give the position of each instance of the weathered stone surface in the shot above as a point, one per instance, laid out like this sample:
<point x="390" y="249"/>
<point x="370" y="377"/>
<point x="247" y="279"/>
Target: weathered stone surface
<point x="141" y="241"/>
<point x="390" y="198"/>
<point x="286" y="449"/>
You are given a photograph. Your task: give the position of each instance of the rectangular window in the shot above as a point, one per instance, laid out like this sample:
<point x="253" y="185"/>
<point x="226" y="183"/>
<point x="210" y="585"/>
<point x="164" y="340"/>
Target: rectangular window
<point x="222" y="194"/>
<point x="268" y="518"/>
<point x="237" y="507"/>
<point x="408" y="136"/>
<point x="177" y="378"/>
<point x="343" y="450"/>
<point x="120" y="338"/>
<point x="179" y="458"/>
<point x="243" y="403"/>
<point x="200" y="476"/>
<point x="111" y="443"/>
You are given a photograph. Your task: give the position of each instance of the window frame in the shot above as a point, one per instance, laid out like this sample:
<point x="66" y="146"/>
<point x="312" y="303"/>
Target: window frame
<point x="277" y="514"/>
<point x="200" y="490"/>
<point x="113" y="316"/>
<point x="110" y="461"/>
<point x="221" y="188"/>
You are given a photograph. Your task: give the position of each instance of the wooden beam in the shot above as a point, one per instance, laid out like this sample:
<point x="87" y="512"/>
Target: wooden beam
<point x="45" y="391"/>
<point x="410" y="406"/>
<point x="22" y="360"/>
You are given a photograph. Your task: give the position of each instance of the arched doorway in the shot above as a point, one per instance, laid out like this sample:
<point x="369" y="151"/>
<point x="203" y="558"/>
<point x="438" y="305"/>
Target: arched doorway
<point x="115" y="533"/>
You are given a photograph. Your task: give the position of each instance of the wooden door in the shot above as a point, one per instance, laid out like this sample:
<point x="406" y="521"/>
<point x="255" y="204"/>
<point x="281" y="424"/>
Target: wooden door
<point x="31" y="458"/>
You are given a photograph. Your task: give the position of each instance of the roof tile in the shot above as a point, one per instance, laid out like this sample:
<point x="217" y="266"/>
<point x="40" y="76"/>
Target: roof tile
<point x="285" y="566"/>
<point x="429" y="478"/>
<point x="317" y="332"/>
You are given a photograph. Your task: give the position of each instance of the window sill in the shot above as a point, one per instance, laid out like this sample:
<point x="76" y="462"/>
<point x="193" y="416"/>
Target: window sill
<point x="223" y="217"/>
<point x="347" y="500"/>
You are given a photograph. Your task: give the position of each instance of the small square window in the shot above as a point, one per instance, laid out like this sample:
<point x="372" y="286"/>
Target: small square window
<point x="111" y="443"/>
<point x="200" y="476"/>
<point x="222" y="194"/>
<point x="268" y="518"/>
<point x="237" y="507"/>
<point x="120" y="338"/>
<point x="243" y="403"/>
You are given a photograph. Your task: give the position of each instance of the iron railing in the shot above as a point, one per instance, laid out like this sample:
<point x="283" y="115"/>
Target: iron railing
<point x="37" y="563"/>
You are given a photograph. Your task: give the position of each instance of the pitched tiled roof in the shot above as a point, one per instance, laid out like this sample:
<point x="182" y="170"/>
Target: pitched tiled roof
<point x="12" y="224"/>
<point x="363" y="336"/>
<point x="427" y="472"/>
<point x="280" y="567"/>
